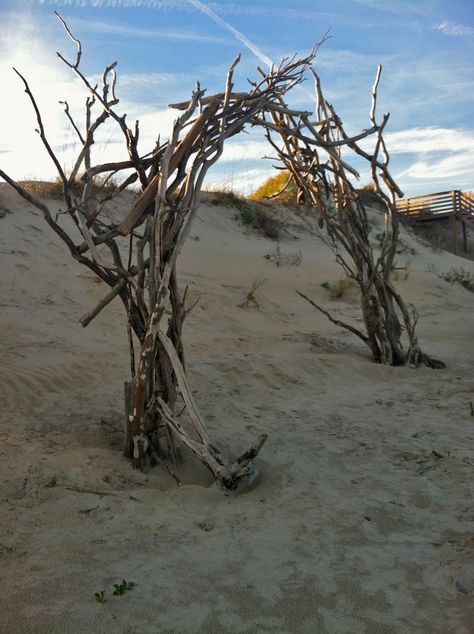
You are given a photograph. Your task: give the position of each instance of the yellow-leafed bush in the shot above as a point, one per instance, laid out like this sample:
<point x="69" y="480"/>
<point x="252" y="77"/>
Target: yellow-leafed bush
<point x="276" y="184"/>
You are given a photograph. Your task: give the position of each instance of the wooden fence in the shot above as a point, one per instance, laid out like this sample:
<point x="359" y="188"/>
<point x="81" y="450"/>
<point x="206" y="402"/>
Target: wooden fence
<point x="455" y="205"/>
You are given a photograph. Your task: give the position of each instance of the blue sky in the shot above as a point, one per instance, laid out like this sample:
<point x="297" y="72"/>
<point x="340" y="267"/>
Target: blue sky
<point x="426" y="49"/>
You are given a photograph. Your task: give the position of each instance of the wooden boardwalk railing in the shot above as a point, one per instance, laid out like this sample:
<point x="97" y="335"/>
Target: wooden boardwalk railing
<point x="456" y="205"/>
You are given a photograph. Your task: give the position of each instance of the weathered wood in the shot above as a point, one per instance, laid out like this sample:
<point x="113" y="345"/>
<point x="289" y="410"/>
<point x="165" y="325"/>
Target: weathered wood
<point x="171" y="178"/>
<point x="454" y="231"/>
<point x="335" y="321"/>
<point x="147" y="197"/>
<point x="147" y="283"/>
<point x="105" y="301"/>
<point x="464" y="237"/>
<point x="128" y="389"/>
<point x="227" y="474"/>
<point x="314" y="160"/>
<point x="454" y="205"/>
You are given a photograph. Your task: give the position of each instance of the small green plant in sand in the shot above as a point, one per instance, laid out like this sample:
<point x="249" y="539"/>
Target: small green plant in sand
<point x="119" y="589"/>
<point x="459" y="276"/>
<point x="123" y="587"/>
<point x="100" y="597"/>
<point x="245" y="216"/>
<point x="258" y="219"/>
<point x="402" y="247"/>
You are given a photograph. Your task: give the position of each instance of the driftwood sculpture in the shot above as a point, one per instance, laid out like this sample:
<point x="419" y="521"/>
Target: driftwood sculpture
<point x="311" y="150"/>
<point x="137" y="258"/>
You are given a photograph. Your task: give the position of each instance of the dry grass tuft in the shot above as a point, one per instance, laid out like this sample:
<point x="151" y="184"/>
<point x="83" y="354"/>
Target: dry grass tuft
<point x="269" y="227"/>
<point x="226" y="196"/>
<point x="54" y="189"/>
<point x="339" y="289"/>
<point x="251" y="293"/>
<point x="279" y="258"/>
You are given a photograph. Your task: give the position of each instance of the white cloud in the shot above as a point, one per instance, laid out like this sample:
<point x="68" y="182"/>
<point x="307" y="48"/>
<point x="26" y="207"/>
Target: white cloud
<point x="443" y="157"/>
<point x="397" y="7"/>
<point x="127" y="31"/>
<point x="456" y="30"/>
<point x="348" y="61"/>
<point x="455" y="168"/>
<point x="243" y="182"/>
<point x="22" y="152"/>
<point x="428" y="140"/>
<point x="249" y="150"/>
<point x="127" y="4"/>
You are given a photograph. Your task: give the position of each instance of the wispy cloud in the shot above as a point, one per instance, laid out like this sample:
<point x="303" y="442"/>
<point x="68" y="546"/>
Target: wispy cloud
<point x="441" y="154"/>
<point x="165" y="4"/>
<point x="242" y="181"/>
<point x="229" y="8"/>
<point x="454" y="168"/>
<point x="396" y="7"/>
<point x="133" y="32"/>
<point x="238" y="151"/>
<point x="456" y="30"/>
<point x="347" y="61"/>
<point x="429" y="140"/>
<point x="126" y="4"/>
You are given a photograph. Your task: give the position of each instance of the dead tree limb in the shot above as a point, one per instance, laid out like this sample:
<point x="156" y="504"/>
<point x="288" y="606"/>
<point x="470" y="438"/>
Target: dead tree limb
<point x="139" y="265"/>
<point x="312" y="155"/>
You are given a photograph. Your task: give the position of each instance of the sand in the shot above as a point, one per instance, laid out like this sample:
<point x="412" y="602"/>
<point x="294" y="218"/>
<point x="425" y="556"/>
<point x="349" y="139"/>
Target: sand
<point x="363" y="518"/>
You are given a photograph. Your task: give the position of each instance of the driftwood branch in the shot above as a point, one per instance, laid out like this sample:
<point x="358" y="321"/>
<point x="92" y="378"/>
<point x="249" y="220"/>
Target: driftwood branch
<point x="141" y="270"/>
<point x="105" y="301"/>
<point x="335" y="321"/>
<point x="313" y="157"/>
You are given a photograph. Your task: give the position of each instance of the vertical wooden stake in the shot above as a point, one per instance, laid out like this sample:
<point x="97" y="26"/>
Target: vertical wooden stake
<point x="129" y="387"/>
<point x="464" y="238"/>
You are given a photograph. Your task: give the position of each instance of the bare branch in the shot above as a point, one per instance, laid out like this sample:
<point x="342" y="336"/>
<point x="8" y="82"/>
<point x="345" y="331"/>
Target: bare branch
<point x="337" y="322"/>
<point x="74" y="39"/>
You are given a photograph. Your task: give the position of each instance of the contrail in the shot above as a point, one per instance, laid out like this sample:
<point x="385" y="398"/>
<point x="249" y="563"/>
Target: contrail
<point x="246" y="42"/>
<point x="241" y="37"/>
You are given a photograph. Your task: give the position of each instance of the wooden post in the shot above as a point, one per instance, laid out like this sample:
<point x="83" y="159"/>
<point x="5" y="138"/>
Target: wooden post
<point x="464" y="238"/>
<point x="128" y="393"/>
<point x="454" y="225"/>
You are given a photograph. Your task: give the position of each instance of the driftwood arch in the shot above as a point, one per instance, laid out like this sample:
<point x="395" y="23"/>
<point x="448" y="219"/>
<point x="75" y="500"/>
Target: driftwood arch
<point x="137" y="257"/>
<point x="309" y="145"/>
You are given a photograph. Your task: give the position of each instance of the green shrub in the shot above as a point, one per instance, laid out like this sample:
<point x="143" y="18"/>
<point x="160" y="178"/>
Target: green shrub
<point x="245" y="216"/>
<point x="459" y="276"/>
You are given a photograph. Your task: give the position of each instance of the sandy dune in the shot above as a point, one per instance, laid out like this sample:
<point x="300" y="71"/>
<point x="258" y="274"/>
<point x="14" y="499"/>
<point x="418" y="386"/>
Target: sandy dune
<point x="363" y="519"/>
